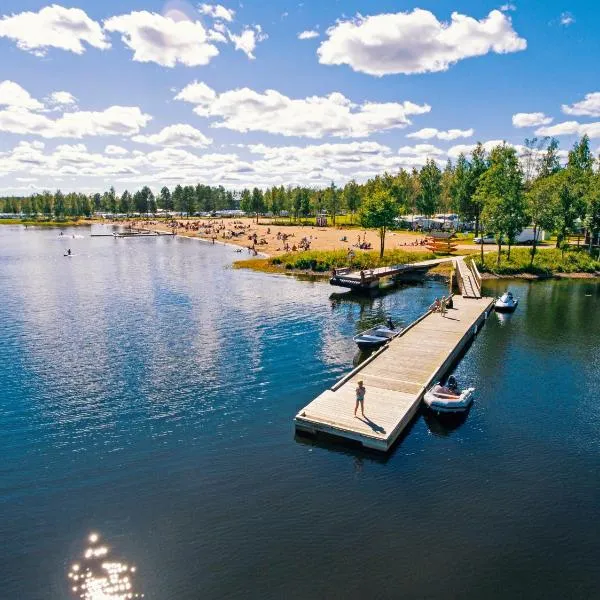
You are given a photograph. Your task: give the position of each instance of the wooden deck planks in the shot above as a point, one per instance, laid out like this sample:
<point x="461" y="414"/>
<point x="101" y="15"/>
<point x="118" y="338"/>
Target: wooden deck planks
<point x="396" y="379"/>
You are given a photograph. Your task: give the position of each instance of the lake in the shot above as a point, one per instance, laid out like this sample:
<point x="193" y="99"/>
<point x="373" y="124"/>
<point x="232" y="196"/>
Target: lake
<point x="148" y="392"/>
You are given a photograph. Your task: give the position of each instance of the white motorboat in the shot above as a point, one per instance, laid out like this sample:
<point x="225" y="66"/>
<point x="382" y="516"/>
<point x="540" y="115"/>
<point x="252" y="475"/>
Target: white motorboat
<point x="506" y="303"/>
<point x="447" y="398"/>
<point x="375" y="337"/>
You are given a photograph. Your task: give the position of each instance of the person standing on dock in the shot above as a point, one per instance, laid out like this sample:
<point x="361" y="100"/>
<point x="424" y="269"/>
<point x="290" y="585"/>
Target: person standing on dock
<point x="360" y="398"/>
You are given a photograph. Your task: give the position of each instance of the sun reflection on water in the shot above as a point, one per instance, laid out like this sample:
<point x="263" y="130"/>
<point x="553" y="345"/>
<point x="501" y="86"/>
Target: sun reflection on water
<point x="98" y="578"/>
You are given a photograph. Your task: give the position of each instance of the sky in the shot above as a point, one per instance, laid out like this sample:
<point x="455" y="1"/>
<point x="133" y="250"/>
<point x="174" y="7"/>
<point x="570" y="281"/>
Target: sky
<point x="257" y="93"/>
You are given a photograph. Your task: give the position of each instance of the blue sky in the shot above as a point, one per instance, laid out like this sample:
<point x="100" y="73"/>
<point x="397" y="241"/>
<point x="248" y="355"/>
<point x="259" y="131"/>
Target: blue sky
<point x="154" y="92"/>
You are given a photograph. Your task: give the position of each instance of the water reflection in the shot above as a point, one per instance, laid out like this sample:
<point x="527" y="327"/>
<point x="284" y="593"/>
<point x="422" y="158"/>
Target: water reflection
<point x="97" y="577"/>
<point x="443" y="425"/>
<point x="503" y="318"/>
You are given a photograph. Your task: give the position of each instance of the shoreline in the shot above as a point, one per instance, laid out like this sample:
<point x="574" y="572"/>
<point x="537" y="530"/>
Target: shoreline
<point x="531" y="277"/>
<point x="262" y="259"/>
<point x="264" y="265"/>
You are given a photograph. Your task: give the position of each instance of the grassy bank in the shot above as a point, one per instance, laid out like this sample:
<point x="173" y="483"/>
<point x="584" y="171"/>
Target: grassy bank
<point x="548" y="262"/>
<point x="322" y="261"/>
<point x="44" y="222"/>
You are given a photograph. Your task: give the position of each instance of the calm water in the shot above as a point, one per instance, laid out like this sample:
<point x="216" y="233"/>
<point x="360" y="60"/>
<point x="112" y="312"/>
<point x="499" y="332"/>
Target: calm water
<point x="148" y="390"/>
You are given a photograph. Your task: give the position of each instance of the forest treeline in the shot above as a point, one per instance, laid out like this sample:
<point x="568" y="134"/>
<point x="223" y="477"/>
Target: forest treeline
<point x="499" y="191"/>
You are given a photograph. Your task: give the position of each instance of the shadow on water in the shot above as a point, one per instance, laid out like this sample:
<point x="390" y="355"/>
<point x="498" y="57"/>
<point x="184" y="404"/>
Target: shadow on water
<point x="367" y="297"/>
<point x="361" y="356"/>
<point x="333" y="443"/>
<point x="443" y="425"/>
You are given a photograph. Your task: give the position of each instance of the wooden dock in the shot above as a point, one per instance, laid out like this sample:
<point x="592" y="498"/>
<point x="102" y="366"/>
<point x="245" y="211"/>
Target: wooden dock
<point x="396" y="377"/>
<point x="369" y="278"/>
<point x="468" y="277"/>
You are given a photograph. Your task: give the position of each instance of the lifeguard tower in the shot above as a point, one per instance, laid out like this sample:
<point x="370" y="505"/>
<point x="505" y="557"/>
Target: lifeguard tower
<point x="321" y="220"/>
<point x="441" y="242"/>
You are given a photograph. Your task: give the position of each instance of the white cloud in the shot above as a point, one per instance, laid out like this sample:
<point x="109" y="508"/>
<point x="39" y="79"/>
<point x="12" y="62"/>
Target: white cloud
<point x="216" y="36"/>
<point x="429" y="133"/>
<point x="158" y="39"/>
<point x="509" y="6"/>
<point x="424" y="150"/>
<point x="247" y="40"/>
<point x="592" y="130"/>
<point x="53" y="27"/>
<point x="530" y="119"/>
<point x="175" y="136"/>
<point x="314" y="117"/>
<point x="261" y="165"/>
<point x="216" y="11"/>
<point x="567" y="19"/>
<point x="416" y="42"/>
<point x="115" y="120"/>
<point x="466" y="149"/>
<point x="308" y="35"/>
<point x="115" y="150"/>
<point x="197" y="93"/>
<point x="63" y="99"/>
<point x="589" y="106"/>
<point x="13" y="95"/>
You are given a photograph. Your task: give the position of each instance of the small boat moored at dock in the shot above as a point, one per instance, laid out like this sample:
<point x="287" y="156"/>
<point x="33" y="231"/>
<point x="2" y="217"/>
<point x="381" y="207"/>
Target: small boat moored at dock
<point x="375" y="337"/>
<point x="447" y="398"/>
<point x="506" y="303"/>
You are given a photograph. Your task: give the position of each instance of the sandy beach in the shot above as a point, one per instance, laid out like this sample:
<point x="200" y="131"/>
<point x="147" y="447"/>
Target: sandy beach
<point x="274" y="240"/>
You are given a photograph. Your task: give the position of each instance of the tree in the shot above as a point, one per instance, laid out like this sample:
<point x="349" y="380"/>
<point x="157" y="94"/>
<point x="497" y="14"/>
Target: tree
<point x="430" y="179"/>
<point x="580" y="169"/>
<point x="59" y="204"/>
<point x="568" y="206"/>
<point x="46" y="203"/>
<point x="401" y="190"/>
<point x="592" y="217"/>
<point x="479" y="165"/>
<point x="125" y="203"/>
<point x="332" y="201"/>
<point x="151" y="201"/>
<point x="541" y="207"/>
<point x="97" y="201"/>
<point x="461" y="192"/>
<point x="165" y="200"/>
<point x="246" y="201"/>
<point x="379" y="211"/>
<point x="447" y="183"/>
<point x="352" y="197"/>
<point x="109" y="199"/>
<point x="305" y="205"/>
<point x="257" y="203"/>
<point x="85" y="205"/>
<point x="188" y="199"/>
<point x="500" y="192"/>
<point x="140" y="202"/>
<point x="178" y="198"/>
<point x="549" y="163"/>
<point x="531" y="158"/>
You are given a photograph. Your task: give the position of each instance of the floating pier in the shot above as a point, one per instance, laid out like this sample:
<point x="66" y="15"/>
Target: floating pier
<point x="369" y="278"/>
<point x="396" y="377"/>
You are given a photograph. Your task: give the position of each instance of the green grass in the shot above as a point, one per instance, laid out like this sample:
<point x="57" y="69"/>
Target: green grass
<point x="322" y="261"/>
<point x="547" y="262"/>
<point x="44" y="222"/>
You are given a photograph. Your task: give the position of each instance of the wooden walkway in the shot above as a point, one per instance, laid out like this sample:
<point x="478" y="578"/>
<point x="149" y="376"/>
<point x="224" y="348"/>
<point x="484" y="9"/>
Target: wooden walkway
<point x="396" y="378"/>
<point x="369" y="278"/>
<point x="469" y="279"/>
